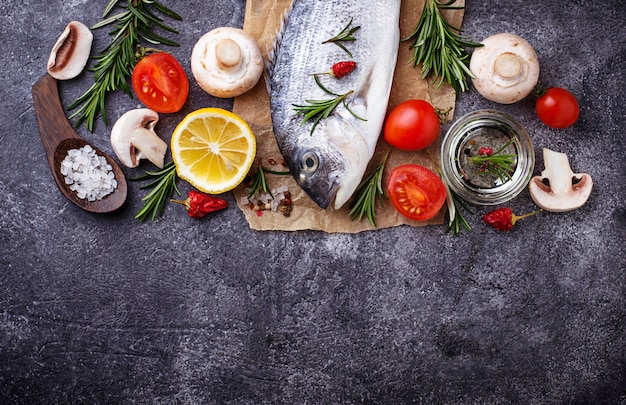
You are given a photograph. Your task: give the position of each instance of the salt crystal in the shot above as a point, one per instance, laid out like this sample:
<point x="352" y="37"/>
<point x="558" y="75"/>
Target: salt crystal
<point x="90" y="175"/>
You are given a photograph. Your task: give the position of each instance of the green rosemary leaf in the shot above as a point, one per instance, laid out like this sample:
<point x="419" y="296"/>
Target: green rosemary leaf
<point x="440" y="48"/>
<point x="163" y="186"/>
<point x="109" y="7"/>
<point x="368" y="191"/>
<point x="456" y="219"/>
<point x="346" y="34"/>
<point x="167" y="11"/>
<point x="260" y="182"/>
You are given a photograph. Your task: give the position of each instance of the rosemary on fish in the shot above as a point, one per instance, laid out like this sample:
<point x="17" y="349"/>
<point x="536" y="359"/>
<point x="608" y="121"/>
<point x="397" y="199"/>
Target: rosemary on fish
<point x="317" y="110"/>
<point x="440" y="48"/>
<point x="366" y="194"/>
<point x="346" y="34"/>
<point x="115" y="62"/>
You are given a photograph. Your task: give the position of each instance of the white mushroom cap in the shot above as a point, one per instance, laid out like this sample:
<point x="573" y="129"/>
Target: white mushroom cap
<point x="226" y="62"/>
<point x="505" y="68"/>
<point x="70" y="53"/>
<point x="133" y="138"/>
<point x="565" y="190"/>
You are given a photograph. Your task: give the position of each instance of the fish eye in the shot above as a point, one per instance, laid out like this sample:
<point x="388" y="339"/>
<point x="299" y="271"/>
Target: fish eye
<point x="309" y="162"/>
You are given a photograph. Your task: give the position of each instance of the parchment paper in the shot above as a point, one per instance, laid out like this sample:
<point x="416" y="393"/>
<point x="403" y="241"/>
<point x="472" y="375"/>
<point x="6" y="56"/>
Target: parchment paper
<point x="262" y="20"/>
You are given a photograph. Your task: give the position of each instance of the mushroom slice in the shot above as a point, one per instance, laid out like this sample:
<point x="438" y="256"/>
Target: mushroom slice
<point x="226" y="62"/>
<point x="558" y="189"/>
<point x="505" y="68"/>
<point x="133" y="138"/>
<point x="71" y="51"/>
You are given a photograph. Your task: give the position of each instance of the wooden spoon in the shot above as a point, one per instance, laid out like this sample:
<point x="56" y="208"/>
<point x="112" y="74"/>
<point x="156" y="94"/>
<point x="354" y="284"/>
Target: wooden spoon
<point x="58" y="137"/>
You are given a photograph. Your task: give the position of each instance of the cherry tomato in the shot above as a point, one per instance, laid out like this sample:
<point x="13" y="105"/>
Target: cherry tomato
<point x="160" y="82"/>
<point x="416" y="191"/>
<point x="412" y="125"/>
<point x="557" y="107"/>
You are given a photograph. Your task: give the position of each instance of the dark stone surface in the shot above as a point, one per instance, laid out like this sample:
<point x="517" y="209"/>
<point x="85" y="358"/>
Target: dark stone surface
<point x="103" y="309"/>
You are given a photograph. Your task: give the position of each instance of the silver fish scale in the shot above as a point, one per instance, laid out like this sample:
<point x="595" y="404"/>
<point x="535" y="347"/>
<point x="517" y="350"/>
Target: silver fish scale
<point x="341" y="145"/>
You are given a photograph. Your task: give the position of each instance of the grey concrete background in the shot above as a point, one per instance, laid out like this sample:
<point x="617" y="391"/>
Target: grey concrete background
<point x="103" y="309"/>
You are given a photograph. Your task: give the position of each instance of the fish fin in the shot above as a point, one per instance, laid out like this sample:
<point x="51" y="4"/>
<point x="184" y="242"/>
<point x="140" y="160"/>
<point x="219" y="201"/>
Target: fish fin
<point x="365" y="86"/>
<point x="357" y="104"/>
<point x="273" y="50"/>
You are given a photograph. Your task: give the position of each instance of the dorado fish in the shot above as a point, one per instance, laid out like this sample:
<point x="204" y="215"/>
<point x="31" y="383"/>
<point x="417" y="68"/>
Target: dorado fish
<point x="329" y="160"/>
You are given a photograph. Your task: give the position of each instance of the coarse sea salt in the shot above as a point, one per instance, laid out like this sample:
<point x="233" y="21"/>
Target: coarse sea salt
<point x="88" y="174"/>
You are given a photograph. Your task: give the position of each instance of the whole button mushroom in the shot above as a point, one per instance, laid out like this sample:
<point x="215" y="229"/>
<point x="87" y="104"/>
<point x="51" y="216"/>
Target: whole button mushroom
<point x="226" y="62"/>
<point x="71" y="51"/>
<point x="505" y="68"/>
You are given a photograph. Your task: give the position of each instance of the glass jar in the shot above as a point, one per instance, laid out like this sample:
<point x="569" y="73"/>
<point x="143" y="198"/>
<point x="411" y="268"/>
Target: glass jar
<point x="489" y="129"/>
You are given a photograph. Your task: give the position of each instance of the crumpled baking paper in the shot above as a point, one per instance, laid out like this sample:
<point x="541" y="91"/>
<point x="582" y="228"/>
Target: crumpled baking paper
<point x="262" y="20"/>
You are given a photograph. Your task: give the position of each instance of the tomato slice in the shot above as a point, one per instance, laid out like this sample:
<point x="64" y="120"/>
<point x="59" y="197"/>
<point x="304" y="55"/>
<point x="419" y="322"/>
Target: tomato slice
<point x="416" y="191"/>
<point x="160" y="83"/>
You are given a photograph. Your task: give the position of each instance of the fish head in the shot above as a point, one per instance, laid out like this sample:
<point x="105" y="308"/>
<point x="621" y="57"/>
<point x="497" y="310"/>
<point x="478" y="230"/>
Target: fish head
<point x="330" y="164"/>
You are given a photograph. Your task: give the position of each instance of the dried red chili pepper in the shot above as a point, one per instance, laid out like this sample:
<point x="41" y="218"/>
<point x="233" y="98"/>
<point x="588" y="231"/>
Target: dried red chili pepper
<point x="199" y="205"/>
<point x="340" y="69"/>
<point x="503" y="219"/>
<point x="485" y="151"/>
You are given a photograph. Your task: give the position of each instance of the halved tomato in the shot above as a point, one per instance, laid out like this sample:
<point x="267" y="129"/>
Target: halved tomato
<point x="416" y="191"/>
<point x="160" y="82"/>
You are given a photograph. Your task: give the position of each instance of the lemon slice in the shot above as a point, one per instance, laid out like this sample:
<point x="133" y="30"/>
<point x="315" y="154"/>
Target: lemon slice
<point x="213" y="149"/>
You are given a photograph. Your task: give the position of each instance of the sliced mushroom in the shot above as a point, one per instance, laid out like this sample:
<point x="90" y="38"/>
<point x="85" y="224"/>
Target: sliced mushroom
<point x="505" y="68"/>
<point x="558" y="189"/>
<point x="133" y="138"/>
<point x="226" y="62"/>
<point x="71" y="51"/>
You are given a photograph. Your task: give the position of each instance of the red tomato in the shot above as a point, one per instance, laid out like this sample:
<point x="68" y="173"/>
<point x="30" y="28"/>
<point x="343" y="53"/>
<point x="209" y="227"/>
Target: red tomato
<point x="160" y="82"/>
<point x="416" y="191"/>
<point x="412" y="125"/>
<point x="557" y="108"/>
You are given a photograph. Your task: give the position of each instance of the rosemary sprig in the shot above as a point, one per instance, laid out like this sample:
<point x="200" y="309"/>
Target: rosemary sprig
<point x="116" y="61"/>
<point x="456" y="205"/>
<point x="456" y="220"/>
<point x="346" y="34"/>
<point x="370" y="188"/>
<point x="163" y="185"/>
<point x="498" y="163"/>
<point x="260" y="183"/>
<point x="440" y="47"/>
<point x="317" y="110"/>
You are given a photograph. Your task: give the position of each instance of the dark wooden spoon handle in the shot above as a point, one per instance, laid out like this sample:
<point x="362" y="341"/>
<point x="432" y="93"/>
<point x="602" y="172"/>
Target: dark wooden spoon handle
<point x="53" y="125"/>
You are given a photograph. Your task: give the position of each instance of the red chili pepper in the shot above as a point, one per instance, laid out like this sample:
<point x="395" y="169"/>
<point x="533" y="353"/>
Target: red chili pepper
<point x="340" y="69"/>
<point x="485" y="151"/>
<point x="199" y="205"/>
<point x="503" y="219"/>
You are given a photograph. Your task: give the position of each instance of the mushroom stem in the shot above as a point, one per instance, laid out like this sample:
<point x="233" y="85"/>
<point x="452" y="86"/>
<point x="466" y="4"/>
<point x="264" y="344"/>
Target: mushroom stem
<point x="228" y="54"/>
<point x="507" y="65"/>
